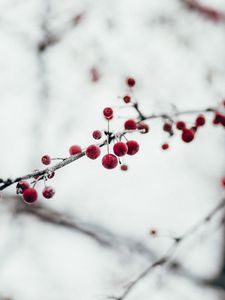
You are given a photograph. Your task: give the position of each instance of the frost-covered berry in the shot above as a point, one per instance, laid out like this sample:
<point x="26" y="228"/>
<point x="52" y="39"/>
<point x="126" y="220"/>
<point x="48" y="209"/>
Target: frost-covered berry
<point x="124" y="167"/>
<point x="48" y="192"/>
<point x="108" y="113"/>
<point x="143" y="127"/>
<point x="130" y="125"/>
<point x="46" y="159"/>
<point x="167" y="127"/>
<point x="127" y="99"/>
<point x="223" y="182"/>
<point x="109" y="161"/>
<point x="133" y="147"/>
<point x="22" y="186"/>
<point x="93" y="151"/>
<point x="165" y="146"/>
<point x="187" y="135"/>
<point x="51" y="175"/>
<point x="97" y="134"/>
<point x="75" y="149"/>
<point x="200" y="121"/>
<point x="219" y="118"/>
<point x="30" y="195"/>
<point x="120" y="149"/>
<point x="180" y="125"/>
<point x="131" y="82"/>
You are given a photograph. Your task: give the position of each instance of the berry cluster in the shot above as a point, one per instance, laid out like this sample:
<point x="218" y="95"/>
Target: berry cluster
<point x="122" y="146"/>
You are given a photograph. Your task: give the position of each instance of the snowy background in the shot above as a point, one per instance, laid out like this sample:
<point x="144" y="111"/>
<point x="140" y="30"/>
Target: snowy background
<point x="48" y="102"/>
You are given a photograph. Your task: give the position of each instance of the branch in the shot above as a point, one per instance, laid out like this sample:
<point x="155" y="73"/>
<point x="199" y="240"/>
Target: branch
<point x="111" y="137"/>
<point x="168" y="256"/>
<point x="209" y="12"/>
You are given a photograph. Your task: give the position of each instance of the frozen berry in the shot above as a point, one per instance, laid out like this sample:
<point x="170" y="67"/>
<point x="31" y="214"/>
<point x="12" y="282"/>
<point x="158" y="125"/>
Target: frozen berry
<point x="124" y="167"/>
<point x="165" y="146"/>
<point x="120" y="149"/>
<point x="22" y="186"/>
<point x="46" y="160"/>
<point x="143" y="127"/>
<point x="30" y="195"/>
<point x="75" y="149"/>
<point x="97" y="134"/>
<point x="223" y="182"/>
<point x="126" y="99"/>
<point x="131" y="82"/>
<point x="93" y="151"/>
<point x="200" y="121"/>
<point x="187" y="135"/>
<point x="108" y="113"/>
<point x="133" y="147"/>
<point x="48" y="192"/>
<point x="180" y="125"/>
<point x="130" y="125"/>
<point x="167" y="127"/>
<point x="109" y="161"/>
<point x="51" y="175"/>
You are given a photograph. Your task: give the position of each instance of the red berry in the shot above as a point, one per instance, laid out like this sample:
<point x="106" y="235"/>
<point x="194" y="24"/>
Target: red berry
<point x="124" y="167"/>
<point x="97" y="134"/>
<point x="48" y="192"/>
<point x="187" y="135"/>
<point x="133" y="147"/>
<point x="120" y="149"/>
<point x="30" y="195"/>
<point x="165" y="146"/>
<point x="46" y="160"/>
<point x="37" y="176"/>
<point x="130" y="125"/>
<point x="126" y="99"/>
<point x="75" y="149"/>
<point x="109" y="161"/>
<point x="51" y="175"/>
<point x="130" y="82"/>
<point x="22" y="186"/>
<point x="180" y="125"/>
<point x="200" y="121"/>
<point x="93" y="151"/>
<point x="108" y="113"/>
<point x="143" y="127"/>
<point x="223" y="182"/>
<point x="167" y="127"/>
<point x="94" y="74"/>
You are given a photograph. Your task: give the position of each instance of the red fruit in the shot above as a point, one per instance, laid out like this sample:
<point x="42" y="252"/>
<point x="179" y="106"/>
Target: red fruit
<point x="133" y="147"/>
<point x="200" y="121"/>
<point x="126" y="99"/>
<point x="219" y="118"/>
<point x="94" y="74"/>
<point x="93" y="151"/>
<point x="130" y="82"/>
<point x="75" y="149"/>
<point x="223" y="182"/>
<point x="22" y="186"/>
<point x="180" y="125"/>
<point x="167" y="127"/>
<point x="37" y="176"/>
<point x="109" y="161"/>
<point x="46" y="160"/>
<point x="130" y="125"/>
<point x="51" y="175"/>
<point x="143" y="127"/>
<point x="165" y="146"/>
<point x="30" y="195"/>
<point x="187" y="135"/>
<point x="48" y="192"/>
<point x="124" y="167"/>
<point x="108" y="113"/>
<point x="120" y="149"/>
<point x="97" y="134"/>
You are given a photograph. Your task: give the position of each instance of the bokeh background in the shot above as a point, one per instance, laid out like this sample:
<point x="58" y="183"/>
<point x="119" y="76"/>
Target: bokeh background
<point x="49" y="100"/>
